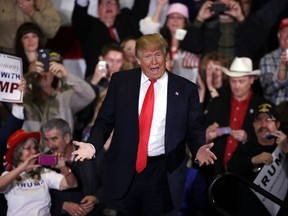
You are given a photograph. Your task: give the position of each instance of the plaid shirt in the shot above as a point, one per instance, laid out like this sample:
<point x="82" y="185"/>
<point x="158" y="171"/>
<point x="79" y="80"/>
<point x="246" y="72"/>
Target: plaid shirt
<point x="274" y="89"/>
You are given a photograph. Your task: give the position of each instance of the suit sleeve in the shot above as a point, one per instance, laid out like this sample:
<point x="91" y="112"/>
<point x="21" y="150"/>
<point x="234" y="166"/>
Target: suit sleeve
<point x="104" y="123"/>
<point x="81" y="21"/>
<point x="196" y="131"/>
<point x="10" y="126"/>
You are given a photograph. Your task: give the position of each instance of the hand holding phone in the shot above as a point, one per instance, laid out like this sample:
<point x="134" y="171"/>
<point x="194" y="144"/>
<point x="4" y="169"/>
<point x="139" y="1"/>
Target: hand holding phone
<point x="47" y="160"/>
<point x="223" y="131"/>
<point x="44" y="58"/>
<point x="102" y="65"/>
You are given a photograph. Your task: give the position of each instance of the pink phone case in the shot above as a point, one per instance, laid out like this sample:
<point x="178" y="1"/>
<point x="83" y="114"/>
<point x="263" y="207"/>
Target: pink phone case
<point x="47" y="160"/>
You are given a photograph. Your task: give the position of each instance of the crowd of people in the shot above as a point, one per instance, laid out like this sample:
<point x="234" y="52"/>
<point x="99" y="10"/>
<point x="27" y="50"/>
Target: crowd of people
<point x="174" y="93"/>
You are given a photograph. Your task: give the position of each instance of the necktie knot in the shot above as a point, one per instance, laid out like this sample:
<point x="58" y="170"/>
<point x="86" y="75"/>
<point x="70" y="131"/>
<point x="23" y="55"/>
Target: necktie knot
<point x="152" y="81"/>
<point x="112" y="33"/>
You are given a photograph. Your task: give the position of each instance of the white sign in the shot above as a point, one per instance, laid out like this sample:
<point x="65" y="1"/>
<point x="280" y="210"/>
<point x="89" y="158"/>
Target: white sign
<point x="10" y="76"/>
<point x="273" y="178"/>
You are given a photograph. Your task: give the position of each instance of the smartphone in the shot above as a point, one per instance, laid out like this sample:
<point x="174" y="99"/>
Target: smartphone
<point x="47" y="160"/>
<point x="219" y="7"/>
<point x="102" y="65"/>
<point x="180" y="34"/>
<point x="223" y="130"/>
<point x="269" y="136"/>
<point x="44" y="57"/>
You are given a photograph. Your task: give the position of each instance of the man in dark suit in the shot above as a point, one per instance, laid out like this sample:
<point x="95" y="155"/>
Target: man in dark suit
<point x="158" y="187"/>
<point x="113" y="25"/>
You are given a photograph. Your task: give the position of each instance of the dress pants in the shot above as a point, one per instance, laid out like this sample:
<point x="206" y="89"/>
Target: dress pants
<point x="148" y="194"/>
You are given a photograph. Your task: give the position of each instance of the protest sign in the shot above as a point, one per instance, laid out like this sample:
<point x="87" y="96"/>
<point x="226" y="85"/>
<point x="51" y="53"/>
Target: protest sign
<point x="11" y="73"/>
<point x="273" y="178"/>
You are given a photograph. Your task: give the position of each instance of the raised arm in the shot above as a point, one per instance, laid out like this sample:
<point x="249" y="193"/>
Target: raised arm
<point x="8" y="178"/>
<point x="149" y="25"/>
<point x="43" y="13"/>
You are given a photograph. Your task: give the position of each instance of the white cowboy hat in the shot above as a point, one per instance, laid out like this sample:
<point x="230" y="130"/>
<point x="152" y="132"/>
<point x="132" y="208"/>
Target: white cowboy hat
<point x="241" y="66"/>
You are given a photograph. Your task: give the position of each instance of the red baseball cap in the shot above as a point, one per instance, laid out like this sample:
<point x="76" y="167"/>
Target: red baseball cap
<point x="15" y="139"/>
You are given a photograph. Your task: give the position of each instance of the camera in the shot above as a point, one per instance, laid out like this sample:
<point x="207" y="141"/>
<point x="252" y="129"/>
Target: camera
<point x="44" y="57"/>
<point x="47" y="160"/>
<point x="219" y="7"/>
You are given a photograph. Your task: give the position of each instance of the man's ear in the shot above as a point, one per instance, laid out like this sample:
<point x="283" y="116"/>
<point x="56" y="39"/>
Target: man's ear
<point x="252" y="79"/>
<point x="101" y="58"/>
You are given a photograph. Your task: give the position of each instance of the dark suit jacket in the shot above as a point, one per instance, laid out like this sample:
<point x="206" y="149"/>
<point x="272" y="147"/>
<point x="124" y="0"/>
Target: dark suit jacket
<point x="10" y="126"/>
<point x="219" y="111"/>
<point x="119" y="111"/>
<point x="89" y="183"/>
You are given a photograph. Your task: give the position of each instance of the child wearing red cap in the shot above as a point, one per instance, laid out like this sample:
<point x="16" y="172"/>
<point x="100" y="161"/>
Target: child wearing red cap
<point x="26" y="186"/>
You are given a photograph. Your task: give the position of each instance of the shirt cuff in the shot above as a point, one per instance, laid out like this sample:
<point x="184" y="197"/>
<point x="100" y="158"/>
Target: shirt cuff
<point x="18" y="111"/>
<point x="94" y="150"/>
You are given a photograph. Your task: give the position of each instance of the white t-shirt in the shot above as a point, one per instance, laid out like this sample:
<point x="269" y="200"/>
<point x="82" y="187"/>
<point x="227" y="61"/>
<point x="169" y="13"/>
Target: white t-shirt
<point x="30" y="195"/>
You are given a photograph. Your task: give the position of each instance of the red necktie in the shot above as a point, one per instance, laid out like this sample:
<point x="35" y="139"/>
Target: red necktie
<point x="145" y="121"/>
<point x="112" y="33"/>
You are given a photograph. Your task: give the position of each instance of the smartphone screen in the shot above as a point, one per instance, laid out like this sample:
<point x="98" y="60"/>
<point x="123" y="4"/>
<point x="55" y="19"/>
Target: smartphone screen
<point x="223" y="130"/>
<point x="270" y="136"/>
<point x="102" y="65"/>
<point x="44" y="57"/>
<point x="47" y="160"/>
<point x="219" y="7"/>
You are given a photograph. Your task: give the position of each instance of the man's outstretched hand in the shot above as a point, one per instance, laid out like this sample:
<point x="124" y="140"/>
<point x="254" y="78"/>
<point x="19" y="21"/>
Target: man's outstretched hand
<point x="84" y="151"/>
<point x="205" y="156"/>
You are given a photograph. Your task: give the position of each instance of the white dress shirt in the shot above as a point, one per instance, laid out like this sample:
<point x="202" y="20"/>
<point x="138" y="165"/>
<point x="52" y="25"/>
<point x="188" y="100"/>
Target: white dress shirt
<point x="157" y="134"/>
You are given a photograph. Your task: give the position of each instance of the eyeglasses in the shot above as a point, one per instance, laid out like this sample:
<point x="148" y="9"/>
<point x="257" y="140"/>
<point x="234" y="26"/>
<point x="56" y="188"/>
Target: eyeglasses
<point x="29" y="148"/>
<point x="266" y="120"/>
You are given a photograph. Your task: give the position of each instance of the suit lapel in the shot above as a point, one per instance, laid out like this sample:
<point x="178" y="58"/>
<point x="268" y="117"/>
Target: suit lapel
<point x="172" y="103"/>
<point x="135" y="89"/>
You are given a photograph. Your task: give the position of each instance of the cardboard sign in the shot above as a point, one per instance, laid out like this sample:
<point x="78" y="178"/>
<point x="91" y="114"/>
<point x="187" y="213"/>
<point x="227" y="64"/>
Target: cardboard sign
<point x="11" y="72"/>
<point x="273" y="178"/>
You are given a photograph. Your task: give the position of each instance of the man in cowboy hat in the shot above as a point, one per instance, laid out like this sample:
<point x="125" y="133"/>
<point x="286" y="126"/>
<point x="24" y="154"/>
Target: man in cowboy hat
<point x="233" y="109"/>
